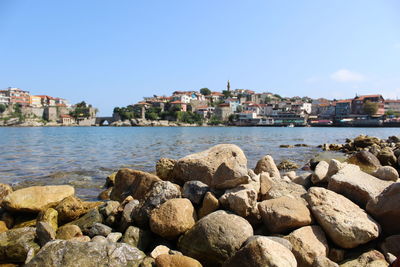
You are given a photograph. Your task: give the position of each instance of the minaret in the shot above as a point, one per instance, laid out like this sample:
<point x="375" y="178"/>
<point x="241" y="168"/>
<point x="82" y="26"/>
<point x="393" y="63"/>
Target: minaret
<point x="228" y="86"/>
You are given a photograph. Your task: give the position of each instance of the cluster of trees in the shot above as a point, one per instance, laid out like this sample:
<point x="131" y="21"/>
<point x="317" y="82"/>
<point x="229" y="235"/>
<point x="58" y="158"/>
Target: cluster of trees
<point x="82" y="110"/>
<point x="370" y="108"/>
<point x="2" y="108"/>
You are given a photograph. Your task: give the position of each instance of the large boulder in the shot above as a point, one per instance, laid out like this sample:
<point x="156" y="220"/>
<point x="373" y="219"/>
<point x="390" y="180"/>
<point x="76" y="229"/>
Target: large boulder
<point x="16" y="244"/>
<point x="308" y="243"/>
<point x="267" y="164"/>
<point x="37" y="198"/>
<point x="386" y="209"/>
<point x="62" y="253"/>
<point x="365" y="160"/>
<point x="356" y="185"/>
<point x="227" y="161"/>
<point x="215" y="238"/>
<point x="173" y="218"/>
<point x="262" y="251"/>
<point x="132" y="183"/>
<point x="241" y="200"/>
<point x="346" y="223"/>
<point x="284" y="214"/>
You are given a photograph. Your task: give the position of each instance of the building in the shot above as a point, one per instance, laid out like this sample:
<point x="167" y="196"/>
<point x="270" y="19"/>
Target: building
<point x="392" y="106"/>
<point x="359" y="101"/>
<point x="223" y="111"/>
<point x="67" y="119"/>
<point x="4" y="98"/>
<point x="35" y="101"/>
<point x="179" y="104"/>
<point x="17" y="96"/>
<point x="47" y="101"/>
<point x="205" y="111"/>
<point x="343" y="108"/>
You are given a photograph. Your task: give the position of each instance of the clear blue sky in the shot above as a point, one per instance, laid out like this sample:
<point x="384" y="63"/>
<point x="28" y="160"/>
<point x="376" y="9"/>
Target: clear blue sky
<point x="111" y="53"/>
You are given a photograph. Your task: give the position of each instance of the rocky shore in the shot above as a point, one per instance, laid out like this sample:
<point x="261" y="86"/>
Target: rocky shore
<point x="210" y="209"/>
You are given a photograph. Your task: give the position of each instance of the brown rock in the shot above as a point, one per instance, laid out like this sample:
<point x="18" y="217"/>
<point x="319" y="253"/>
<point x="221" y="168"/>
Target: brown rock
<point x="267" y="164"/>
<point x="387" y="157"/>
<point x="50" y="216"/>
<point x="5" y="190"/>
<point x="164" y="169"/>
<point x="105" y="194"/>
<point x="176" y="261"/>
<point x="3" y="227"/>
<point x="68" y="232"/>
<point x="391" y="247"/>
<point x="372" y="258"/>
<point x="320" y="172"/>
<point x="308" y="243"/>
<point x="210" y="204"/>
<point x="71" y="208"/>
<point x="132" y="182"/>
<point x="240" y="200"/>
<point x="386" y="173"/>
<point x="365" y="160"/>
<point x="284" y="214"/>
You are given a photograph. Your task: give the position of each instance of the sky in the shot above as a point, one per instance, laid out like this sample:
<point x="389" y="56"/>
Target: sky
<point x="113" y="53"/>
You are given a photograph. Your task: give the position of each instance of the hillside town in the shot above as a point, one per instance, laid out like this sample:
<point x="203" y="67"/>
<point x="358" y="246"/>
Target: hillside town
<point x="243" y="107"/>
<point x="20" y="108"/>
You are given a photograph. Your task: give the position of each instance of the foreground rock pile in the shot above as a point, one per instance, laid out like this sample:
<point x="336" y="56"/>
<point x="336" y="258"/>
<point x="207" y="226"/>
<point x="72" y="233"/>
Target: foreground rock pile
<point x="209" y="209"/>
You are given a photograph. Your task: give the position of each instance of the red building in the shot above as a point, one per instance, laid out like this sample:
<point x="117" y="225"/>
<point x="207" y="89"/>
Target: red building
<point x="357" y="104"/>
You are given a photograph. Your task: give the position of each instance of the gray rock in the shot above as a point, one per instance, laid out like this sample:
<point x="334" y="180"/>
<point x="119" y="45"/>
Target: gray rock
<point x="99" y="229"/>
<point x="108" y="208"/>
<point x="15" y="244"/>
<point x="137" y="237"/>
<point x="127" y="213"/>
<point x="114" y="237"/>
<point x="88" y="220"/>
<point x="195" y="191"/>
<point x="62" y="253"/>
<point x="99" y="239"/>
<point x="44" y="233"/>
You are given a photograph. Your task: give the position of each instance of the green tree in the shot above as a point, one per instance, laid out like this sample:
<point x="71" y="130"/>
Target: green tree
<point x="390" y="112"/>
<point x="239" y="109"/>
<point x="370" y="108"/>
<point x="2" y="108"/>
<point x="227" y="93"/>
<point x="205" y="91"/>
<point x="277" y="96"/>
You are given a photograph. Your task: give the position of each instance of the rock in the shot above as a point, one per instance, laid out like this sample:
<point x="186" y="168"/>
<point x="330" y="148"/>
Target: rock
<point x="8" y="219"/>
<point x="336" y="254"/>
<point x="210" y="204"/>
<point x="159" y="193"/>
<point x="67" y="232"/>
<point x="334" y="213"/>
<point x="303" y="179"/>
<point x="387" y="173"/>
<point x="363" y="141"/>
<point x="203" y="166"/>
<point x="230" y="175"/>
<point x="279" y="240"/>
<point x="286" y="146"/>
<point x="195" y="191"/>
<point x="37" y="198"/>
<point x="88" y="220"/>
<point x="386" y="209"/>
<point x="279" y="188"/>
<point x="308" y="243"/>
<point x="132" y="183"/>
<point x="137" y="237"/>
<point x="322" y="261"/>
<point x="284" y="214"/>
<point x="240" y="200"/>
<point x="176" y="261"/>
<point x="99" y="229"/>
<point x="356" y="185"/>
<point x="334" y="167"/>
<point x="372" y="258"/>
<point x="267" y="164"/>
<point x="387" y="157"/>
<point x="50" y="216"/>
<point x="391" y="247"/>
<point x="83" y="238"/>
<point x="159" y="250"/>
<point x="114" y="237"/>
<point x="365" y="160"/>
<point x="3" y="227"/>
<point x="62" y="253"/>
<point x="164" y="169"/>
<point x="45" y="233"/>
<point x="320" y="172"/>
<point x="173" y="218"/>
<point x="71" y="208"/>
<point x="99" y="239"/>
<point x="287" y="165"/>
<point x="126" y="216"/>
<point x="148" y="262"/>
<point x="262" y="251"/>
<point x="15" y="244"/>
<point x="5" y="190"/>
<point x="215" y="238"/>
<point x="110" y="181"/>
<point x="108" y="208"/>
<point x="105" y="194"/>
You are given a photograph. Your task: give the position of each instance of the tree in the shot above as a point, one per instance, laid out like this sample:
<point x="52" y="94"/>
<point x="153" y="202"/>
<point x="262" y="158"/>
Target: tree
<point x="2" y="108"/>
<point x="227" y="93"/>
<point x="370" y="108"/>
<point x="205" y="91"/>
<point x="277" y="96"/>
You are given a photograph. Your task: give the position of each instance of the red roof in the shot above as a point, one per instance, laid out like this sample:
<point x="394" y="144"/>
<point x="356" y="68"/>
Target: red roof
<point x="178" y="102"/>
<point x="361" y="97"/>
<point x="224" y="105"/>
<point x="217" y="93"/>
<point x="199" y="107"/>
<point x="65" y="116"/>
<point x="344" y="101"/>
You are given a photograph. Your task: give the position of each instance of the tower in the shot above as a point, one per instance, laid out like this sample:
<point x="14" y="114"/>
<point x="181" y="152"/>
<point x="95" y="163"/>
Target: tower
<point x="228" y="86"/>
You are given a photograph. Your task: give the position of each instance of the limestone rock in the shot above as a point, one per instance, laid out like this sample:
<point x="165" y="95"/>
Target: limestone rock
<point x="132" y="183"/>
<point x="372" y="258"/>
<point x="176" y="261"/>
<point x="240" y="200"/>
<point x="137" y="237"/>
<point x="334" y="167"/>
<point x="284" y="214"/>
<point x="386" y="209"/>
<point x="215" y="238"/>
<point x="88" y="220"/>
<point x="114" y="237"/>
<point x="279" y="188"/>
<point x="308" y="243"/>
<point x="45" y="233"/>
<point x="387" y="173"/>
<point x="202" y="166"/>
<point x="164" y="169"/>
<point x="37" y="198"/>
<point x="210" y="204"/>
<point x="334" y="212"/>
<point x="320" y="172"/>
<point x="365" y="160"/>
<point x="195" y="191"/>
<point x="71" y="208"/>
<point x="356" y="185"/>
<point x="62" y="253"/>
<point x="67" y="232"/>
<point x="15" y="244"/>
<point x="262" y="251"/>
<point x="173" y="218"/>
<point x="267" y="164"/>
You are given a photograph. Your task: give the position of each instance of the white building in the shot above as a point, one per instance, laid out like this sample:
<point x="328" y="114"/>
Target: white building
<point x="4" y="98"/>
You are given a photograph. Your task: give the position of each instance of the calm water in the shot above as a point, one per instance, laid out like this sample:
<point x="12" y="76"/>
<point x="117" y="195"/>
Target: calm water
<point x="84" y="156"/>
